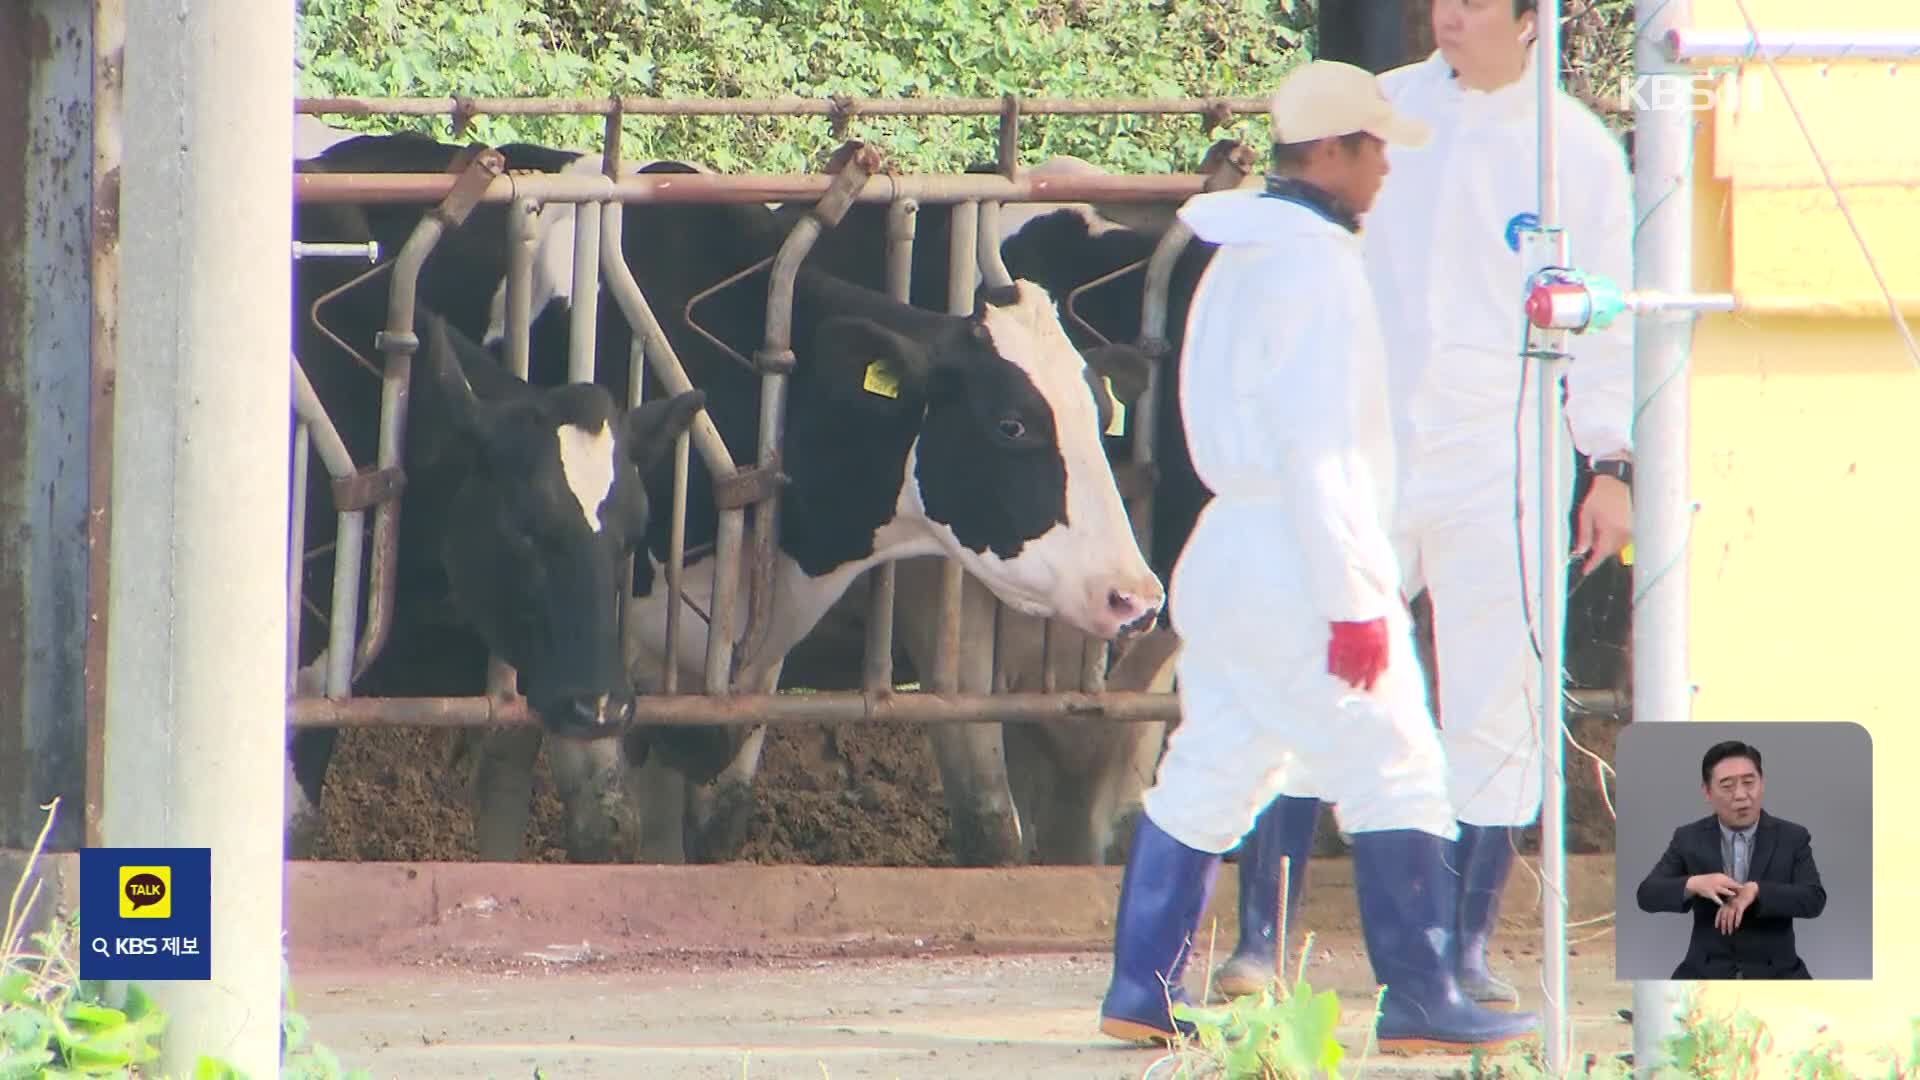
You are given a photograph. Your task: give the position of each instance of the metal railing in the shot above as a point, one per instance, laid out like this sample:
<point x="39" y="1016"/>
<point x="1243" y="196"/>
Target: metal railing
<point x="855" y="176"/>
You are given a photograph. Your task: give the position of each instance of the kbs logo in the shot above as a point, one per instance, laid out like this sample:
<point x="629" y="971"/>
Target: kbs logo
<point x="1685" y="92"/>
<point x="146" y="892"/>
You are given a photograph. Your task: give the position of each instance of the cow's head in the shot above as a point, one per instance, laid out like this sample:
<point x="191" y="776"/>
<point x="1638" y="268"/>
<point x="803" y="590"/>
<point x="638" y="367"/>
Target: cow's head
<point x="1007" y="469"/>
<point x="545" y="507"/>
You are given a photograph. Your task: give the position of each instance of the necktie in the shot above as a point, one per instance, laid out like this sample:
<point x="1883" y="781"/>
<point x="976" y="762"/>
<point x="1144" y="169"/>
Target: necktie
<point x="1740" y="857"/>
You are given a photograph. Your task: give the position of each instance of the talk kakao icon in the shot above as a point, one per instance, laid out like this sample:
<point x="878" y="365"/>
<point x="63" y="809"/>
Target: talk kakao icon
<point x="146" y="892"/>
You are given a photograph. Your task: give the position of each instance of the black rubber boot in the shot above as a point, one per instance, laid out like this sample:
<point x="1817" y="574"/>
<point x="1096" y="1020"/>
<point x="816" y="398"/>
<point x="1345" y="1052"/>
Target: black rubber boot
<point x="1284" y="832"/>
<point x="1163" y="893"/>
<point x="1483" y="857"/>
<point x="1409" y="913"/>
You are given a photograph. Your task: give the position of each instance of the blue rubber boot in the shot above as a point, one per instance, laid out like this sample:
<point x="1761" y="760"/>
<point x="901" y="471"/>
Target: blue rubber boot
<point x="1483" y="858"/>
<point x="1163" y="892"/>
<point x="1409" y="914"/>
<point x="1284" y="832"/>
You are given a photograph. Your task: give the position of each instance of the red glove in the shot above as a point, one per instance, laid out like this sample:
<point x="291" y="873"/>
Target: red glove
<point x="1358" y="652"/>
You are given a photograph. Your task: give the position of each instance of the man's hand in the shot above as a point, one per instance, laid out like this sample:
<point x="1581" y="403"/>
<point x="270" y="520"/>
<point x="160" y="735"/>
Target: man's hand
<point x="1606" y="521"/>
<point x="1357" y="653"/>
<point x="1728" y="920"/>
<point x="1714" y="887"/>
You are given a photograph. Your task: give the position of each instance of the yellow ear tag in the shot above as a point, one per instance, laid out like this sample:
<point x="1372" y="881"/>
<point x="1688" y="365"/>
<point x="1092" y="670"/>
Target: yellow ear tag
<point x="881" y="380"/>
<point x="1626" y="555"/>
<point x="1118" y="425"/>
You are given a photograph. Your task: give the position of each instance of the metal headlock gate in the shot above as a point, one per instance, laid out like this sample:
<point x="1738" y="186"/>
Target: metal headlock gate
<point x="853" y="176"/>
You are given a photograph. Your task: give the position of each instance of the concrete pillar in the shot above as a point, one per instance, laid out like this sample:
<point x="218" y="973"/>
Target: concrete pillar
<point x="196" y="664"/>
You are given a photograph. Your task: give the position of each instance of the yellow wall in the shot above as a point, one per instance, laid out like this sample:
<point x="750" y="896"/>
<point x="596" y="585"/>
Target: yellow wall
<point x="1806" y="459"/>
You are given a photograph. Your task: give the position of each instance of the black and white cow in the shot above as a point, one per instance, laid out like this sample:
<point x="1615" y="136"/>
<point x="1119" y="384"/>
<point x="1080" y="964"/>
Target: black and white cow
<point x="985" y="447"/>
<point x="519" y="507"/>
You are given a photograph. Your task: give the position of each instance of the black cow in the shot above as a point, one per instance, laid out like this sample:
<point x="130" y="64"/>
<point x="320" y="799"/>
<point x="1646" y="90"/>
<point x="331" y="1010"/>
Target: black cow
<point x="983" y="445"/>
<point x="519" y="508"/>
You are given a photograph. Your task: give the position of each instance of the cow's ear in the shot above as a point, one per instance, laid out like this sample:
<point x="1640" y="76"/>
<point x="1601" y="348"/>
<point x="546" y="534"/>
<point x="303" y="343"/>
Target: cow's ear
<point x="651" y="427"/>
<point x="1126" y="365"/>
<point x="870" y="359"/>
<point x="443" y="368"/>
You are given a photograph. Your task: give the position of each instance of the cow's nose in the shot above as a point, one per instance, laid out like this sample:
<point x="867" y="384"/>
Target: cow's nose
<point x="1129" y="608"/>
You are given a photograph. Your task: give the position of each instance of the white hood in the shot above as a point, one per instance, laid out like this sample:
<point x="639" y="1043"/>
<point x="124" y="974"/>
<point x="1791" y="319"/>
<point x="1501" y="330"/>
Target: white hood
<point x="1246" y="216"/>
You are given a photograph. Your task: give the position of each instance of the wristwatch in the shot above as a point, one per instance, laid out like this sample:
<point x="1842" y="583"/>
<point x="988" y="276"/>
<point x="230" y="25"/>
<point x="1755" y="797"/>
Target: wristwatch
<point x="1615" y="467"/>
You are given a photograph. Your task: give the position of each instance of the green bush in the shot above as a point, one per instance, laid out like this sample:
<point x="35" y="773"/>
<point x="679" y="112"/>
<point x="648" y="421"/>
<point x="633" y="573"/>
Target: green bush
<point x="813" y="49"/>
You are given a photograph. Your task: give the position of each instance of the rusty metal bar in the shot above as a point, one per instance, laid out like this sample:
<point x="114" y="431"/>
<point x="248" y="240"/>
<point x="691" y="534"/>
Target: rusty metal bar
<point x="713" y="450"/>
<point x="829" y="708"/>
<point x="902" y="225"/>
<point x="775" y="360"/>
<point x="1007" y="157"/>
<point x="677" y="188"/>
<point x="963" y="261"/>
<point x="1120" y="706"/>
<point x="109" y="50"/>
<point x="398" y="341"/>
<point x="784" y="106"/>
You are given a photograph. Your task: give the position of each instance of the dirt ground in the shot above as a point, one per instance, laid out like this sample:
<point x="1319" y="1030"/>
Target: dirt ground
<point x="394" y="795"/>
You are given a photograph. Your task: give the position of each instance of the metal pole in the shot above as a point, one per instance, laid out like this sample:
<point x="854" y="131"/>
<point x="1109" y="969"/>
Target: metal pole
<point x="196" y="652"/>
<point x="1672" y="40"/>
<point x="1549" y="363"/>
<point x="1663" y="340"/>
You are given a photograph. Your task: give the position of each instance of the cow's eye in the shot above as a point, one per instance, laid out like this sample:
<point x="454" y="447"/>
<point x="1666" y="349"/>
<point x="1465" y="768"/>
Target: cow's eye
<point x="1012" y="428"/>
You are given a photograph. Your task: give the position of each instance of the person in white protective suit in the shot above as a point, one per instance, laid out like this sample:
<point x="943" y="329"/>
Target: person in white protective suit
<point x="1443" y="246"/>
<point x="1297" y="641"/>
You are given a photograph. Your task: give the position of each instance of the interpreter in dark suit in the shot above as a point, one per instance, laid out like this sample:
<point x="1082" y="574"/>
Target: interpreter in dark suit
<point x="1743" y="873"/>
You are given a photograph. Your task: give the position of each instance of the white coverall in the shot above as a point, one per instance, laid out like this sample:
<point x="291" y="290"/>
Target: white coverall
<point x="1441" y="245"/>
<point x="1283" y="388"/>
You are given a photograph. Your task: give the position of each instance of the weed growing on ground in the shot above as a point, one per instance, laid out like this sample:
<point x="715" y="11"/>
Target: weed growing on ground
<point x="55" y="1025"/>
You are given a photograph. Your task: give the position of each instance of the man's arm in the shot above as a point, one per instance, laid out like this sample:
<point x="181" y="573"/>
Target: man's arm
<point x="1802" y="898"/>
<point x="1664" y="889"/>
<point x="1600" y="377"/>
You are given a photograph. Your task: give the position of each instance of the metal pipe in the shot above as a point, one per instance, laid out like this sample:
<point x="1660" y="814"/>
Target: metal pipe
<point x="1686" y="44"/>
<point x="585" y="311"/>
<point x="350" y="538"/>
<point x="787" y="106"/>
<point x="963" y="267"/>
<point x="1661" y="300"/>
<point x="713" y="450"/>
<point x="728" y="709"/>
<point x="1552" y="547"/>
<point x="775" y="360"/>
<point x="1662" y="505"/>
<point x="706" y="709"/>
<point x="398" y="342"/>
<point x="296" y="547"/>
<point x="619" y="280"/>
<point x="677" y="188"/>
<point x="369" y="251"/>
<point x="993" y="269"/>
<point x="523" y="235"/>
<point x="903" y="217"/>
<point x="313" y="416"/>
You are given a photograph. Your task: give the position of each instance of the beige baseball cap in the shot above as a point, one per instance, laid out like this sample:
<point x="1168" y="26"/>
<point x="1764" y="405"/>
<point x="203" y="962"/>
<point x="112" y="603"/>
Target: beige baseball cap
<point x="1325" y="99"/>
